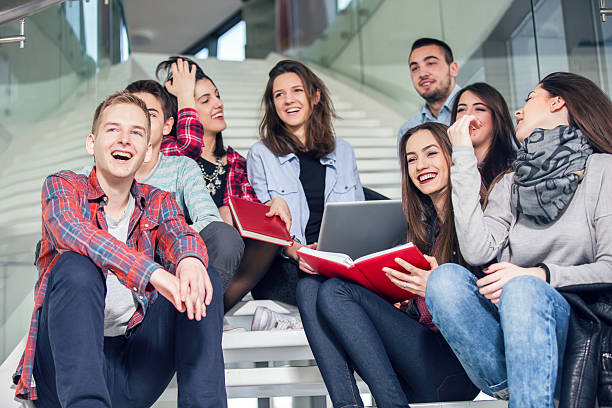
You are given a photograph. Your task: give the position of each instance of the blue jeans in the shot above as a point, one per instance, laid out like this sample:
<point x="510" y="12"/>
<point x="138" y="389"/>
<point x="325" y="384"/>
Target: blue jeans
<point x="514" y="349"/>
<point x="351" y="328"/>
<point x="76" y="366"/>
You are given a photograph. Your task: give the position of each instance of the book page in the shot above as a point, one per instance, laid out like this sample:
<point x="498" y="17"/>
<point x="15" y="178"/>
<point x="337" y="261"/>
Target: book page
<point x="386" y="251"/>
<point x="330" y="256"/>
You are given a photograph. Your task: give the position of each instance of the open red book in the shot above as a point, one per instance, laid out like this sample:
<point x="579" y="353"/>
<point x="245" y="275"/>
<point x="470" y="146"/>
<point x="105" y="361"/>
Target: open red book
<point x="251" y="221"/>
<point x="367" y="270"/>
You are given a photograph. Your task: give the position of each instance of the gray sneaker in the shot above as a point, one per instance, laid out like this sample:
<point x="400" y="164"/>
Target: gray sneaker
<point x="266" y="319"/>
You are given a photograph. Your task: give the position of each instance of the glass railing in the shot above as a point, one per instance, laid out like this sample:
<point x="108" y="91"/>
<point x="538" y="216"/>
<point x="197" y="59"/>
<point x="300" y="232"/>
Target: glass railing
<point x="510" y="44"/>
<point x="68" y="49"/>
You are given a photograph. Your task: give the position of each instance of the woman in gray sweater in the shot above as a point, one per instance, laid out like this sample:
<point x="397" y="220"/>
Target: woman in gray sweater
<point x="547" y="224"/>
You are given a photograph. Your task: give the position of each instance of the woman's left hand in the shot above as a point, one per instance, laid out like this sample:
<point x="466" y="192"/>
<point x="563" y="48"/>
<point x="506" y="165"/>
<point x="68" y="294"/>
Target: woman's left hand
<point x="278" y="206"/>
<point x="303" y="265"/>
<point x="413" y="280"/>
<point x="499" y="274"/>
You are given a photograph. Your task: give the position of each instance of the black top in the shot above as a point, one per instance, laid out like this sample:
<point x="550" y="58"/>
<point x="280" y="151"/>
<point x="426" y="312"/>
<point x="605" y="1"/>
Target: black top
<point x="312" y="177"/>
<point x="217" y="184"/>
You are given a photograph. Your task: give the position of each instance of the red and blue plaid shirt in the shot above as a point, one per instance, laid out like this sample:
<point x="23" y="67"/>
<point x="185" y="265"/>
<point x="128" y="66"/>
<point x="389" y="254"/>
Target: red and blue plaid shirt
<point x="189" y="143"/>
<point x="73" y="220"/>
<point x="188" y="138"/>
<point x="237" y="182"/>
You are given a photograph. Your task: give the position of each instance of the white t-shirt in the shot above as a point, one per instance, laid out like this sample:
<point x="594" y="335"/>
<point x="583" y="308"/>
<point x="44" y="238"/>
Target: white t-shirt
<point x="120" y="303"/>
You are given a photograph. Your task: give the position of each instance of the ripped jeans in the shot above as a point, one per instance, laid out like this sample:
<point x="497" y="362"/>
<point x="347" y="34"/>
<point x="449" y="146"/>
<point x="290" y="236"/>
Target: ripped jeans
<point x="510" y="351"/>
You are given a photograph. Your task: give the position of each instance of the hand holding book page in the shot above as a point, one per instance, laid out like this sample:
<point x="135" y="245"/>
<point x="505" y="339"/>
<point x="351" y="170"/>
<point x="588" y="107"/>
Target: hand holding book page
<point x="367" y="270"/>
<point x="413" y="280"/>
<point x="303" y="265"/>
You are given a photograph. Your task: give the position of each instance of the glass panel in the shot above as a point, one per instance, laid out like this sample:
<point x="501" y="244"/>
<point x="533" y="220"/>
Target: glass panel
<point x="572" y="36"/>
<point x="369" y="41"/>
<point x="60" y="58"/>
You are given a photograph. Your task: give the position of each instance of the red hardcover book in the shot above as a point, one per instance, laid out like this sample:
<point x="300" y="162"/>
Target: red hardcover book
<point x="251" y="221"/>
<point x="367" y="270"/>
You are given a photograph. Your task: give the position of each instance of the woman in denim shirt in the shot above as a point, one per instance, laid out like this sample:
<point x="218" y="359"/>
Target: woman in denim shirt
<point x="300" y="160"/>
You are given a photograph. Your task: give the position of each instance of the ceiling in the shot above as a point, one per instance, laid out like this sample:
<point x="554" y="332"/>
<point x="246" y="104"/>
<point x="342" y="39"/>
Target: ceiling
<point x="170" y="26"/>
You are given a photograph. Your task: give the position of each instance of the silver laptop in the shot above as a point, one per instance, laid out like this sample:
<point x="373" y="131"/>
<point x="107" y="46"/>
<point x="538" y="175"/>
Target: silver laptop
<point x="362" y="227"/>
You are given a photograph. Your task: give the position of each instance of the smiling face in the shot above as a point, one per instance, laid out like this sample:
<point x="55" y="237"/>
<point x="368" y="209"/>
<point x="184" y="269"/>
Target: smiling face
<point x="120" y="143"/>
<point x="428" y="168"/>
<point x="209" y="107"/>
<point x="159" y="126"/>
<point x="541" y="110"/>
<point x="291" y="102"/>
<point x="432" y="77"/>
<point x="472" y="104"/>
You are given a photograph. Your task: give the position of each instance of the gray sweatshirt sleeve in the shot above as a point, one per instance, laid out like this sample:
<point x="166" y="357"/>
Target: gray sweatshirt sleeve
<point x="200" y="205"/>
<point x="598" y="205"/>
<point x="481" y="235"/>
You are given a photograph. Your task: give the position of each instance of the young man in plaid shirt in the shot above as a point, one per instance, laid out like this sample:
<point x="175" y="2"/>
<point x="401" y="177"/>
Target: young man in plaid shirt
<point x="101" y="335"/>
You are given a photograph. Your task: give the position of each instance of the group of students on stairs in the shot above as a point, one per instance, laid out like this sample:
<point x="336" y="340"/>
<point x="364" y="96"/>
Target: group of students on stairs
<point x="138" y="248"/>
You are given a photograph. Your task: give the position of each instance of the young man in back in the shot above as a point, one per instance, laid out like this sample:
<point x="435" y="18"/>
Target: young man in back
<point x="433" y="72"/>
<point x="101" y="335"/>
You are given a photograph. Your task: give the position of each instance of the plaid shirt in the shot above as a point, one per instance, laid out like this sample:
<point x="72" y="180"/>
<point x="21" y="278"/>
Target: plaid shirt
<point x="237" y="182"/>
<point x="73" y="220"/>
<point x="188" y="140"/>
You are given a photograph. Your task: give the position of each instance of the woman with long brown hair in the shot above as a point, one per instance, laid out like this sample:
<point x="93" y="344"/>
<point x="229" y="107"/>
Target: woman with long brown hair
<point x="494" y="141"/>
<point x="299" y="159"/>
<point x="549" y="222"/>
<point x="397" y="351"/>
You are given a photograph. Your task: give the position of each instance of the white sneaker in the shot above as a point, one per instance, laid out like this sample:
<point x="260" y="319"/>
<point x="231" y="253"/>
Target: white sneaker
<point x="266" y="319"/>
<point x="227" y="328"/>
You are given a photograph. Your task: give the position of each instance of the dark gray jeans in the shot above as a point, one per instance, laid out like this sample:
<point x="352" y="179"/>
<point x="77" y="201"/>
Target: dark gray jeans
<point x="225" y="248"/>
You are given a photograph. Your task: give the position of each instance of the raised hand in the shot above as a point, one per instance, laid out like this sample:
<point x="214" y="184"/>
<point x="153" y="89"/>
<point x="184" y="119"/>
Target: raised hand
<point x="182" y="84"/>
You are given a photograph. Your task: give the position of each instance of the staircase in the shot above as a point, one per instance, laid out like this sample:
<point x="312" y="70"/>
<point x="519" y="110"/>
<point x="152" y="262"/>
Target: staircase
<point x="58" y="142"/>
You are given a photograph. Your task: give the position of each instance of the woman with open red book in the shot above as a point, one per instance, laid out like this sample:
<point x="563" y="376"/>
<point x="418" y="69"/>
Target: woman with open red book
<point x="397" y="350"/>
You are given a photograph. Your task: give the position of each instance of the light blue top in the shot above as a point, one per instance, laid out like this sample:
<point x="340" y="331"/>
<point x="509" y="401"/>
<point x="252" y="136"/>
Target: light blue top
<point x="273" y="176"/>
<point x="425" y="115"/>
<point x="181" y="177"/>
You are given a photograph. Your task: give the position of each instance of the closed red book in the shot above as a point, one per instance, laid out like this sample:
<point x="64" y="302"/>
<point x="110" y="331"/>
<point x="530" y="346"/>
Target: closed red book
<point x="367" y="270"/>
<point x="251" y="221"/>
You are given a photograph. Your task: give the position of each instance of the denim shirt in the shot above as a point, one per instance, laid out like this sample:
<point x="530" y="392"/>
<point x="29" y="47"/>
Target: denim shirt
<point x="425" y="115"/>
<point x="279" y="176"/>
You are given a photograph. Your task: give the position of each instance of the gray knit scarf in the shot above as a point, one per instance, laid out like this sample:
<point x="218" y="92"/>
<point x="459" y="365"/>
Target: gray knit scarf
<point x="548" y="168"/>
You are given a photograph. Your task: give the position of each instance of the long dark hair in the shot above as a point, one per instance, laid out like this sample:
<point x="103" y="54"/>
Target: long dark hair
<point x="163" y="72"/>
<point x="590" y="110"/>
<point x="419" y="209"/>
<point x="318" y="128"/>
<point x="502" y="149"/>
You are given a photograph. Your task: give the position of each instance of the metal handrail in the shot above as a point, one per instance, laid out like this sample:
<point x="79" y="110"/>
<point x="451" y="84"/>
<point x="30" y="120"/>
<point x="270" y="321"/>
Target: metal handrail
<point x="20" y="38"/>
<point x="18" y="12"/>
